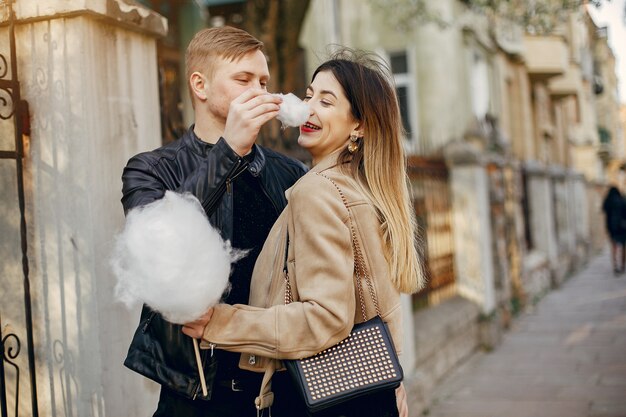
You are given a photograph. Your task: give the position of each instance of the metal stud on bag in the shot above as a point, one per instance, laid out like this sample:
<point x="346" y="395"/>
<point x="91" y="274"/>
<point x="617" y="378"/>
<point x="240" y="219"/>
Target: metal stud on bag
<point x="365" y="362"/>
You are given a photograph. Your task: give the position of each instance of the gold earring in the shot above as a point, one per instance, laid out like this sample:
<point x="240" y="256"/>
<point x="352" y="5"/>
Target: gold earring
<point x="353" y="146"/>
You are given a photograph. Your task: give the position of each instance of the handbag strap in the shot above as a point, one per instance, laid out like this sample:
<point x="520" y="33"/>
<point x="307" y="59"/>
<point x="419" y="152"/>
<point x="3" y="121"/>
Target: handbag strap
<point x="359" y="263"/>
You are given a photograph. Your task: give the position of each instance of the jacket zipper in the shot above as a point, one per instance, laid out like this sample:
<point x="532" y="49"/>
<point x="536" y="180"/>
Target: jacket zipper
<point x="227" y="185"/>
<point x="147" y="323"/>
<point x="229" y="181"/>
<point x="229" y="188"/>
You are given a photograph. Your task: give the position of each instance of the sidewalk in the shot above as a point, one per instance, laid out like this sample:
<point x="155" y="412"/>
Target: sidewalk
<point x="565" y="358"/>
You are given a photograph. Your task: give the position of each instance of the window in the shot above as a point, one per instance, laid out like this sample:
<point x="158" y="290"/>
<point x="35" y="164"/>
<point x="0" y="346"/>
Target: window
<point x="403" y="99"/>
<point x="528" y="237"/>
<point x="479" y="82"/>
<point x="406" y="91"/>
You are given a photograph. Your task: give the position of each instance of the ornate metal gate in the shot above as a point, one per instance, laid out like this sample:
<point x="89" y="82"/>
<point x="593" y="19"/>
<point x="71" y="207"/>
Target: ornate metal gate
<point x="433" y="209"/>
<point x="13" y="108"/>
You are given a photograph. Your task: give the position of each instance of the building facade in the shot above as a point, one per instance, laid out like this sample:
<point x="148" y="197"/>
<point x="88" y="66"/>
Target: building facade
<point x="512" y="138"/>
<point x="517" y="120"/>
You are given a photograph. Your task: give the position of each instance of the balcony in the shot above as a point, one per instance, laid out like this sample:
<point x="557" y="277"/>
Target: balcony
<point x="545" y="56"/>
<point x="509" y="36"/>
<point x="567" y="84"/>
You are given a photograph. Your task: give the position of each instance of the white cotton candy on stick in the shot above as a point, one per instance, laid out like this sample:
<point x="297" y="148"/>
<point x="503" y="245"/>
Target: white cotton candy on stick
<point x="170" y="257"/>
<point x="293" y="112"/>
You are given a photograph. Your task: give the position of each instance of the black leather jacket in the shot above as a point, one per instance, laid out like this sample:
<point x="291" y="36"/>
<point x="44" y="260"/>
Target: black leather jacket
<point x="159" y="350"/>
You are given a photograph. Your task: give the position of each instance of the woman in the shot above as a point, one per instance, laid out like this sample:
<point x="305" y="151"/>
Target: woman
<point x="614" y="208"/>
<point x="354" y="134"/>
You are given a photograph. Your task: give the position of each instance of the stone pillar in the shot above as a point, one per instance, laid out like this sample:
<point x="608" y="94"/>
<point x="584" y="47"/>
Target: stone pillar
<point x="580" y="208"/>
<point x="563" y="228"/>
<point x="573" y="207"/>
<point x="598" y="237"/>
<point x="570" y="211"/>
<point x="472" y="225"/>
<point x="499" y="219"/>
<point x="407" y="359"/>
<point x="541" y="205"/>
<point x="88" y="69"/>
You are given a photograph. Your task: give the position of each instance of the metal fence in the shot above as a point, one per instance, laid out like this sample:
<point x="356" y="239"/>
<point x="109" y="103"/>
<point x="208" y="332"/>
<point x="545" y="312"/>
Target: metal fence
<point x="14" y="110"/>
<point x="433" y="208"/>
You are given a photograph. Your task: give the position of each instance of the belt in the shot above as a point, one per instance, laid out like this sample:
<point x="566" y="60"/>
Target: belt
<point x="241" y="384"/>
<point x="232" y="384"/>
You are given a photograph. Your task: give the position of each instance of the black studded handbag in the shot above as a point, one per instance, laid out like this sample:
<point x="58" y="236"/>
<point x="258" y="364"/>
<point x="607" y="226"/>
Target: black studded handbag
<point x="363" y="363"/>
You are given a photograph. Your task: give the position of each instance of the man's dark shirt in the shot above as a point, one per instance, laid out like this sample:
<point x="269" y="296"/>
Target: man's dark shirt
<point x="253" y="217"/>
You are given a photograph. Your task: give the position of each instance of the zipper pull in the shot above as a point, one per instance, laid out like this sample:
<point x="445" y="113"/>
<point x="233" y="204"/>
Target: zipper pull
<point x="228" y="185"/>
<point x="212" y="346"/>
<point x="145" y="326"/>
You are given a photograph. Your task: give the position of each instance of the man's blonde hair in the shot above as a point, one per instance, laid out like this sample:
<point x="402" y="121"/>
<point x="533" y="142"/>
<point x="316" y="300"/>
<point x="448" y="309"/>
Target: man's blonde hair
<point x="220" y="42"/>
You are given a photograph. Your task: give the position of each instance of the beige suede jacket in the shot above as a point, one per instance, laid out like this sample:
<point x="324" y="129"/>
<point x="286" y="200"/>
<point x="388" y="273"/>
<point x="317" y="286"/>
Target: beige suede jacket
<point x="321" y="272"/>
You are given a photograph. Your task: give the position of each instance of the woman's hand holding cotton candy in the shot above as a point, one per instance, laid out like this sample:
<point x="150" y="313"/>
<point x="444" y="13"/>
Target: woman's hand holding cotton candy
<point x="246" y="114"/>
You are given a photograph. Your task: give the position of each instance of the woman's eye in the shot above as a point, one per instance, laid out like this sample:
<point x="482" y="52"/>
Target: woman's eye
<point x="326" y="103"/>
<point x="306" y="98"/>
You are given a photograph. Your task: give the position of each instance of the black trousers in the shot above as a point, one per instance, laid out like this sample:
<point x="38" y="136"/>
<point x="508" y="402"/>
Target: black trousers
<point x="228" y="399"/>
<point x="288" y="403"/>
<point x="226" y="402"/>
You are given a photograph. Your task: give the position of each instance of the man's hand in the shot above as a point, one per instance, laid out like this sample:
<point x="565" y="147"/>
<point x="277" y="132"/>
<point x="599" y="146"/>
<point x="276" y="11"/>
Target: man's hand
<point x="247" y="113"/>
<point x="401" y="401"/>
<point x="195" y="328"/>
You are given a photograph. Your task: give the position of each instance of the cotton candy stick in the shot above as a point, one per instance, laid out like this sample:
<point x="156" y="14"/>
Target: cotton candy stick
<point x="196" y="349"/>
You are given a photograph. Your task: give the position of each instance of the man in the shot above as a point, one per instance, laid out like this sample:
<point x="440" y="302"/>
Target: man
<point x="241" y="187"/>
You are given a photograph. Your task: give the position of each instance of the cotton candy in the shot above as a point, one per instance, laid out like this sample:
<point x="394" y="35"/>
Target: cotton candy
<point x="293" y="111"/>
<point x="170" y="257"/>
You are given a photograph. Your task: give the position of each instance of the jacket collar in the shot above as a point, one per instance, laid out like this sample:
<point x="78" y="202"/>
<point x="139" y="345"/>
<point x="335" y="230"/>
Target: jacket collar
<point x="258" y="163"/>
<point x="328" y="162"/>
<point x="194" y="143"/>
<point x="198" y="146"/>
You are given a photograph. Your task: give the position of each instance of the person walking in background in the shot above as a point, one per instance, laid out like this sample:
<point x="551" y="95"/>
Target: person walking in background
<point x="356" y="191"/>
<point x="241" y="187"/>
<point x="614" y="208"/>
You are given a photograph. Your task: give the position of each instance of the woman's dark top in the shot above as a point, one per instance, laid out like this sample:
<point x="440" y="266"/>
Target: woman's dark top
<point x="614" y="207"/>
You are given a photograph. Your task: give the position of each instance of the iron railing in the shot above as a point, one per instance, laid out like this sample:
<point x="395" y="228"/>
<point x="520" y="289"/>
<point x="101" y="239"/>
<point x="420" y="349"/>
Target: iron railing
<point x="13" y="107"/>
<point x="433" y="209"/>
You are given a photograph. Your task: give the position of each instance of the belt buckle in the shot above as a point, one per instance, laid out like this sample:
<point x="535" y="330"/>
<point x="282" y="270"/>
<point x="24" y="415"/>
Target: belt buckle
<point x="234" y="385"/>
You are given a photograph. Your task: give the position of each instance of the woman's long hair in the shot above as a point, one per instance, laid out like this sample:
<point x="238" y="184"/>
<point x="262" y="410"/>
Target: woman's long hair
<point x="379" y="164"/>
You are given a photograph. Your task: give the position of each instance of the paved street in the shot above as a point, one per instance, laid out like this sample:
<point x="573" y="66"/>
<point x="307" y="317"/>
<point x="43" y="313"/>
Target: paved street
<point x="564" y="358"/>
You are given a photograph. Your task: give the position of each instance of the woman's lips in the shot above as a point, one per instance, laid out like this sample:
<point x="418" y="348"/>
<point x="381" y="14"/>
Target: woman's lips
<point x="306" y="129"/>
<point x="309" y="127"/>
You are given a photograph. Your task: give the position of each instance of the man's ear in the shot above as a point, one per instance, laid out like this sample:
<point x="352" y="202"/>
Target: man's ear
<point x="198" y="83"/>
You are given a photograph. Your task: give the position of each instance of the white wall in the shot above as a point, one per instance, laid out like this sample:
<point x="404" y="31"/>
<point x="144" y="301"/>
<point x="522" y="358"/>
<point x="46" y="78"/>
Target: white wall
<point x="93" y="94"/>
